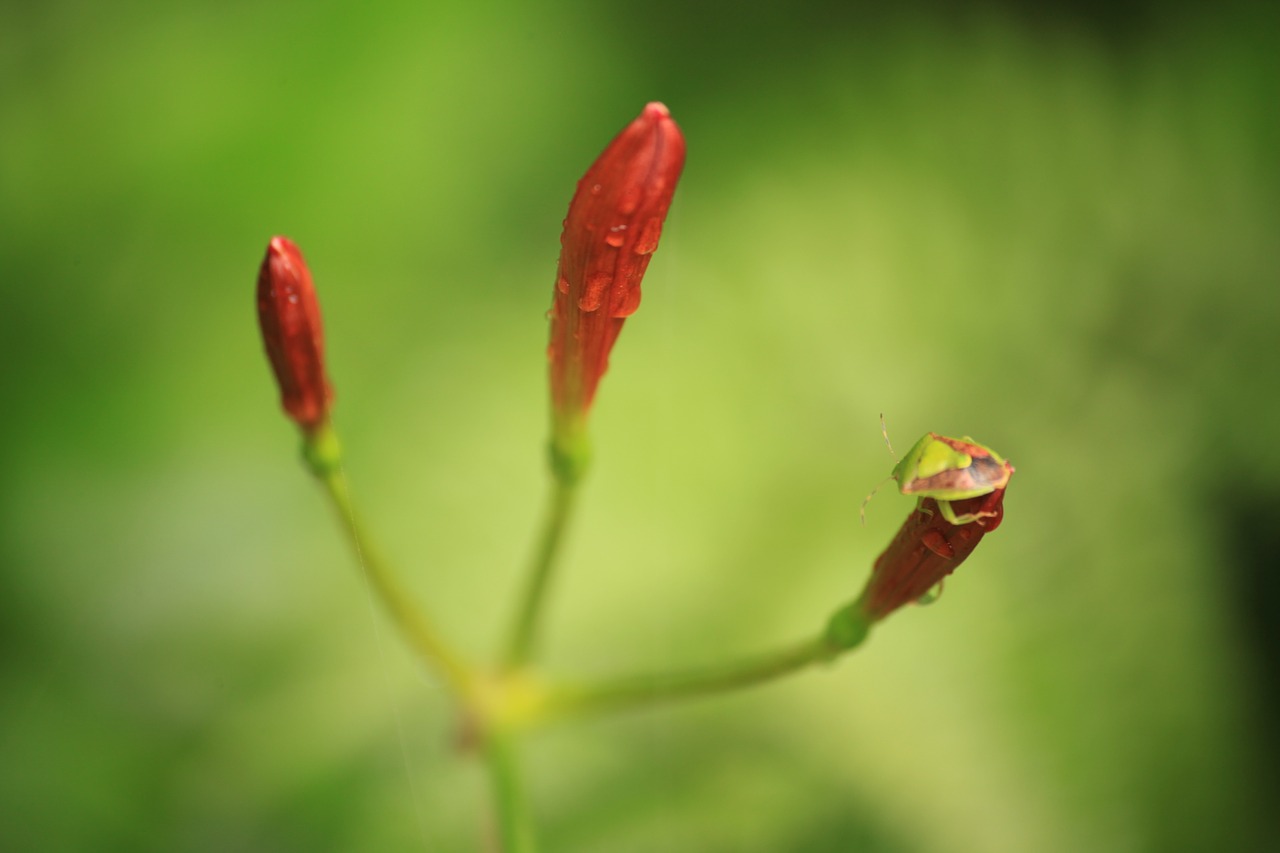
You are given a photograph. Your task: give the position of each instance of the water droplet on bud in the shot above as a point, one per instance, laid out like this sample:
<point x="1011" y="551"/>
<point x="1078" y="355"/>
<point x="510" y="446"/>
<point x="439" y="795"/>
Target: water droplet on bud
<point x="615" y="237"/>
<point x="562" y="284"/>
<point x="593" y="293"/>
<point x="938" y="544"/>
<point x="647" y="242"/>
<point x="630" y="302"/>
<point x="932" y="595"/>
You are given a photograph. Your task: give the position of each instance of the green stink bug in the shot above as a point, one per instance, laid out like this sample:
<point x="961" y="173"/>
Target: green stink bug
<point x="950" y="469"/>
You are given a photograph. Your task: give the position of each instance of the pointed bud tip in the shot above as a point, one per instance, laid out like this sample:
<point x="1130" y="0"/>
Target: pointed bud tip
<point x="655" y="110"/>
<point x="284" y="257"/>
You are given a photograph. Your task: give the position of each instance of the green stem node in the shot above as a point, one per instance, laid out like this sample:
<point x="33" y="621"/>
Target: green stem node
<point x="847" y="628"/>
<point x="570" y="454"/>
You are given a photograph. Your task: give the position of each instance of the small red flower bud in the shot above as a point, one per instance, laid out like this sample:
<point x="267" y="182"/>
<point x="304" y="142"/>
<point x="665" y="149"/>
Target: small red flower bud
<point x="610" y="233"/>
<point x="926" y="549"/>
<point x="290" y="319"/>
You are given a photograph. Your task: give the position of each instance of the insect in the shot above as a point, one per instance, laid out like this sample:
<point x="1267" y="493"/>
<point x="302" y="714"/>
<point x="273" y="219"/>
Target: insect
<point x="949" y="469"/>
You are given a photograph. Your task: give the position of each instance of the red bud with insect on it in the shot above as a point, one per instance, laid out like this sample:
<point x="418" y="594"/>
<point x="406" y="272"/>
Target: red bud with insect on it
<point x="610" y="233"/>
<point x="926" y="549"/>
<point x="289" y="316"/>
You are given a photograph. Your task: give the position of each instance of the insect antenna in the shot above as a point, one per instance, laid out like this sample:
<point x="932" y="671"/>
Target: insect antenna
<point x="862" y="513"/>
<point x="884" y="430"/>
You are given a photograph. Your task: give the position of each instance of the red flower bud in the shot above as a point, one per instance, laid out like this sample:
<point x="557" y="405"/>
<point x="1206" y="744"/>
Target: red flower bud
<point x="926" y="550"/>
<point x="290" y="319"/>
<point x="610" y="233"/>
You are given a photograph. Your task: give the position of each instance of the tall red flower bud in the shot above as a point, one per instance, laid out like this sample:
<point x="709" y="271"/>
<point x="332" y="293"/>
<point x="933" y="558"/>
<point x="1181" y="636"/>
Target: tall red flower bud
<point x="290" y="319"/>
<point x="926" y="550"/>
<point x="610" y="232"/>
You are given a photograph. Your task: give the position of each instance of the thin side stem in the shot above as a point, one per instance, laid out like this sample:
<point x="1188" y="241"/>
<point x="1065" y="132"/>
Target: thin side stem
<point x="524" y="634"/>
<point x="637" y="691"/>
<point x="323" y="456"/>
<point x="515" y="819"/>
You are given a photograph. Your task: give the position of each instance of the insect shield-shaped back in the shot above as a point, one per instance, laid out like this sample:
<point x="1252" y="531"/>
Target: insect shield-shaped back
<point x="951" y="469"/>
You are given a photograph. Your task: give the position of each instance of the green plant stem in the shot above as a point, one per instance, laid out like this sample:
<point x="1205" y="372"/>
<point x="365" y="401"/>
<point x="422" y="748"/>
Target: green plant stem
<point x="524" y="634"/>
<point x="637" y="691"/>
<point x="515" y="821"/>
<point x="323" y="455"/>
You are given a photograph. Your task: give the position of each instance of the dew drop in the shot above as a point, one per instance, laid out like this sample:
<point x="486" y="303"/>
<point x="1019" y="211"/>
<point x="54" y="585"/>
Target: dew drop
<point x="932" y="595"/>
<point x="595" y="189"/>
<point x="938" y="544"/>
<point x="630" y="302"/>
<point x="562" y="284"/>
<point x="593" y="294"/>
<point x="293" y="298"/>
<point x="647" y="242"/>
<point x="615" y="237"/>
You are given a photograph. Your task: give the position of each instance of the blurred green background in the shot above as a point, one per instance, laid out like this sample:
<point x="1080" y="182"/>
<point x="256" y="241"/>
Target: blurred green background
<point x="1053" y="230"/>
